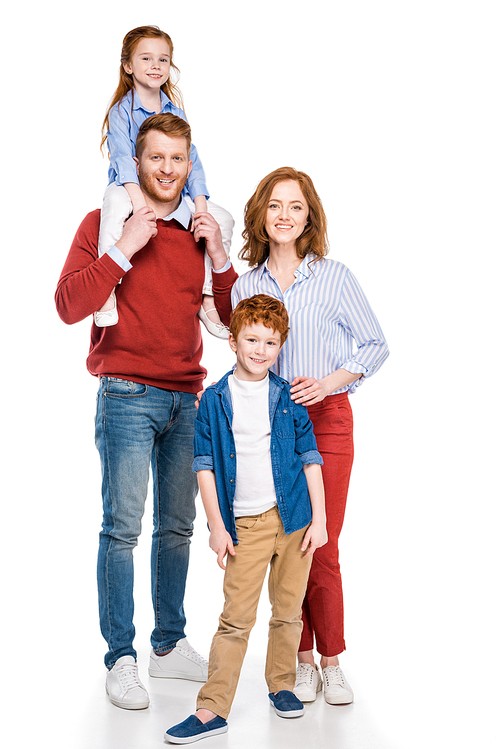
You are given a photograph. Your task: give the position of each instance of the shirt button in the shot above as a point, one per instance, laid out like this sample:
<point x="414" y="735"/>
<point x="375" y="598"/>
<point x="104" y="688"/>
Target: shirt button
<point x="232" y="455"/>
<point x="231" y="481"/>
<point x="285" y="410"/>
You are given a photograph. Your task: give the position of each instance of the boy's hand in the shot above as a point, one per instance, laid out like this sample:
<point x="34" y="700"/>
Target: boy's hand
<point x="315" y="537"/>
<point x="221" y="542"/>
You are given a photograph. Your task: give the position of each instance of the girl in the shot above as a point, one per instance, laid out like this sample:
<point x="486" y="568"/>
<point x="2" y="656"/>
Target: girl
<point x="145" y="89"/>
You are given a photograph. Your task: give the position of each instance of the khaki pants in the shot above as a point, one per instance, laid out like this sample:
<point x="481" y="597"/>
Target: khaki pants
<point x="262" y="542"/>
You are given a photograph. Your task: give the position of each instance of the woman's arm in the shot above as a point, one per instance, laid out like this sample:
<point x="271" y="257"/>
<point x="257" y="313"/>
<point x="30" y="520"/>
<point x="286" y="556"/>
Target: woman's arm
<point x="220" y="540"/>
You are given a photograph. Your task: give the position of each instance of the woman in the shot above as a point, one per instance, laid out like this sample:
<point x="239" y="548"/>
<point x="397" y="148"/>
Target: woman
<point x="335" y="343"/>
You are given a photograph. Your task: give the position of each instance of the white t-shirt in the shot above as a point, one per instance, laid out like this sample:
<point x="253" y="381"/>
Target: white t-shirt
<point x="254" y="491"/>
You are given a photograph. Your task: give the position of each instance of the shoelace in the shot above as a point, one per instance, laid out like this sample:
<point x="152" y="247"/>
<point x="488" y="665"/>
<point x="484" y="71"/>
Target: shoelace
<point x="191" y="653"/>
<point x="333" y="675"/>
<point x="128" y="676"/>
<point x="304" y="674"/>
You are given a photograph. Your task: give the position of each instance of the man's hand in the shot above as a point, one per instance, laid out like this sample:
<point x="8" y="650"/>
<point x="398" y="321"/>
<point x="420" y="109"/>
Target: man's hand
<point x="207" y="228"/>
<point x="137" y="232"/>
<point x="220" y="541"/>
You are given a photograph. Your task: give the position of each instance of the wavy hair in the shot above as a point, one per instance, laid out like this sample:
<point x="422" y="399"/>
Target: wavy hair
<point x="260" y="308"/>
<point x="313" y="239"/>
<point x="126" y="82"/>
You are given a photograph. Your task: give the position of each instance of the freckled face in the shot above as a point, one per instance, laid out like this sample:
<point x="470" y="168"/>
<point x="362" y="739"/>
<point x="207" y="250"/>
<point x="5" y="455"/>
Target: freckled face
<point x="256" y="349"/>
<point x="287" y="214"/>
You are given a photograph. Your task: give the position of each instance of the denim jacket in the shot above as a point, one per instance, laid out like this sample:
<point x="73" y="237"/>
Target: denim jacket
<point x="293" y="445"/>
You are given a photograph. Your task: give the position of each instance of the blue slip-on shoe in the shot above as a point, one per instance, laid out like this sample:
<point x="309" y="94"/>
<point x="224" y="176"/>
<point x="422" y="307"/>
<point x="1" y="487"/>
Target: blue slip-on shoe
<point x="192" y="729"/>
<point x="286" y="704"/>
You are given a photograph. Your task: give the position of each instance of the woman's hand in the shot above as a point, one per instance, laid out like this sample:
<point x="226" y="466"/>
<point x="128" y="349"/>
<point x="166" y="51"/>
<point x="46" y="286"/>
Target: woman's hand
<point x="308" y="390"/>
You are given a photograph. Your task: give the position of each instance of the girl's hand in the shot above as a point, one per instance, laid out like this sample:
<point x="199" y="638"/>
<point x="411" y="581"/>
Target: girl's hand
<point x="220" y="541"/>
<point x="308" y="390"/>
<point x="315" y="537"/>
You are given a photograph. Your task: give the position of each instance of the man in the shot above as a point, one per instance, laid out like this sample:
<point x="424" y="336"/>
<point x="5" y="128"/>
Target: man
<point x="149" y="370"/>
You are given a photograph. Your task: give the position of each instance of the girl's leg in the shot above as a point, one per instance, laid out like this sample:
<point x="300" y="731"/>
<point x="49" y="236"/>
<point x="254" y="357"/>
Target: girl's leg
<point x="116" y="208"/>
<point x="208" y="314"/>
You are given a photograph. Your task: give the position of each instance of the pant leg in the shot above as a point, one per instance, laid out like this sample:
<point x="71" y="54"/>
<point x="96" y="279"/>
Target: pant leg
<point x="323" y="609"/>
<point x="243" y="580"/>
<point x="175" y="489"/>
<point x="124" y="437"/>
<point x="287" y="586"/>
<point x="116" y="208"/>
<point x="226" y="224"/>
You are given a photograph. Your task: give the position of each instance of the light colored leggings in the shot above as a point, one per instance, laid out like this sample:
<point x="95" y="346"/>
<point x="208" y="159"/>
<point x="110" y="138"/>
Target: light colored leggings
<point x="117" y="207"/>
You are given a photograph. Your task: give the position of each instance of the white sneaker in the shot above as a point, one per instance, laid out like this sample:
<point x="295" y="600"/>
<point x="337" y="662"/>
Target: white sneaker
<point x="337" y="690"/>
<point x="183" y="662"/>
<point x="308" y="682"/>
<point x="124" y="687"/>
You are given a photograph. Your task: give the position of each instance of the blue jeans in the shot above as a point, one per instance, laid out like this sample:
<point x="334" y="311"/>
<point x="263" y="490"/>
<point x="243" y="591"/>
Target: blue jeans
<point x="137" y="425"/>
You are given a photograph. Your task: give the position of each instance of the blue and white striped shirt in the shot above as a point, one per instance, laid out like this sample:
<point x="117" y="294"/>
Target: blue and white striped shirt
<point x="331" y="323"/>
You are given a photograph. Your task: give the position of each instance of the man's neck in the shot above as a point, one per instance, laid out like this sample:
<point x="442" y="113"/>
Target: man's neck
<point x="162" y="209"/>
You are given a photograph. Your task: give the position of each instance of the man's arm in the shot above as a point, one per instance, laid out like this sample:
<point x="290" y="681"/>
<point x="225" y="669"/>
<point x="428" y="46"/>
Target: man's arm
<point x="87" y="280"/>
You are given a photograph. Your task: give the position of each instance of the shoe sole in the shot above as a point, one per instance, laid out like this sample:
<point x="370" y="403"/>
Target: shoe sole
<point x="175" y="675"/>
<point x="287" y="713"/>
<point x="127" y="705"/>
<point x="308" y="696"/>
<point x="192" y="739"/>
<point x="339" y="700"/>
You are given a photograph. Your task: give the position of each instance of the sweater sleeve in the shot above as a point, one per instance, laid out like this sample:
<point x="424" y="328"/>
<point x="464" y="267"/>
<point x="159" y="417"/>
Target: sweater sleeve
<point x="86" y="280"/>
<point x="222" y="285"/>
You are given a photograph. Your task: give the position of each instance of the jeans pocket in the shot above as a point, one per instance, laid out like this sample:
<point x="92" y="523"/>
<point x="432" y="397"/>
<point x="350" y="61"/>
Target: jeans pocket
<point x="117" y="388"/>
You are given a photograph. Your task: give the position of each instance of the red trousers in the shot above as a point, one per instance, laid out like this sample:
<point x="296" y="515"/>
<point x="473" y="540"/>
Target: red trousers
<point x="323" y="607"/>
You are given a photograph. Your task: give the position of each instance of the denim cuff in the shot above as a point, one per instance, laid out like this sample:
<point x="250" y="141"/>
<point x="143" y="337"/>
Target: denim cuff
<point x="311" y="456"/>
<point x="203" y="463"/>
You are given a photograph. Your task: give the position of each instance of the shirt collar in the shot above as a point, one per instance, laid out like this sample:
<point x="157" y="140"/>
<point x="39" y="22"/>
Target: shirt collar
<point x="165" y="101"/>
<point x="182" y="214"/>
<point x="304" y="268"/>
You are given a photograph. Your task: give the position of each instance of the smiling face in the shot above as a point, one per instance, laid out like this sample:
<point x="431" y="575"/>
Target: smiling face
<point x="287" y="214"/>
<point x="256" y="349"/>
<point x="150" y="64"/>
<point x="163" y="168"/>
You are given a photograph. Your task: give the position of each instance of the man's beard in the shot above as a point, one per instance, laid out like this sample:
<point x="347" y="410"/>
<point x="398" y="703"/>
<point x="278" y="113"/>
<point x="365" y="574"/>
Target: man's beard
<point x="150" y="187"/>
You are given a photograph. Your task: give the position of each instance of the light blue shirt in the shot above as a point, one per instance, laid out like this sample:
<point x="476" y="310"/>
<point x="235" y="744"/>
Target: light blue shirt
<point x="182" y="214"/>
<point x="332" y="326"/>
<point x="124" y="124"/>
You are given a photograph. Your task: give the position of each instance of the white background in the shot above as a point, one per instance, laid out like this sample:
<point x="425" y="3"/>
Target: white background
<point x="392" y="108"/>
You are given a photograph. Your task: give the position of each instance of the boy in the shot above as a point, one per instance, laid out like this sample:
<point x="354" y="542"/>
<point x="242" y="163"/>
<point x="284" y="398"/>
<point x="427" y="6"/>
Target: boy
<point x="260" y="481"/>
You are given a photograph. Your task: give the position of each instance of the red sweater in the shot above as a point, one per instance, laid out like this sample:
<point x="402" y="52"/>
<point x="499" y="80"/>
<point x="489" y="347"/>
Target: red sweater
<point x="157" y="340"/>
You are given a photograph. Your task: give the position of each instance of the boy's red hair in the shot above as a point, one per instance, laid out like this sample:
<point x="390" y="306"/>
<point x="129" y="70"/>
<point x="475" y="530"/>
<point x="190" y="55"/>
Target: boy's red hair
<point x="260" y="308"/>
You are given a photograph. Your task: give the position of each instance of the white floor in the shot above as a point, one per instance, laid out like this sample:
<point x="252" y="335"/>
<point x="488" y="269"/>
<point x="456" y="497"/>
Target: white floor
<point x="95" y="722"/>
